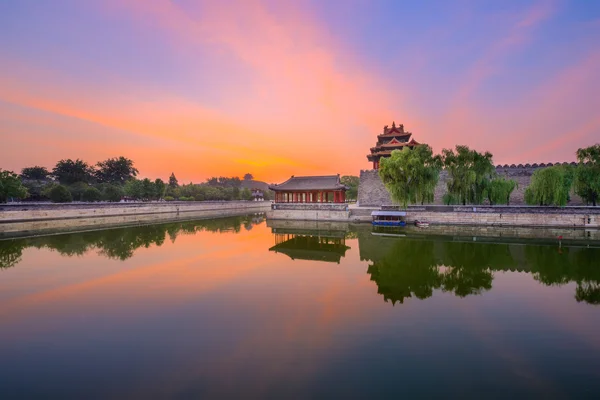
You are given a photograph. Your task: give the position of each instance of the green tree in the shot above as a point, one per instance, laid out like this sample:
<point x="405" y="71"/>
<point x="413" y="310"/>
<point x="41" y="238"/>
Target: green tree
<point x="411" y="175"/>
<point x="36" y="173"/>
<point x="469" y="173"/>
<point x="77" y="190"/>
<point x="148" y="190"/>
<point x="60" y="194"/>
<point x="248" y="177"/>
<point x="246" y="194"/>
<point x="159" y="189"/>
<point x="115" y="170"/>
<point x="36" y="189"/>
<point x="11" y="186"/>
<point x="68" y="172"/>
<point x="550" y="186"/>
<point x="111" y="193"/>
<point x="500" y="189"/>
<point x="587" y="177"/>
<point x="134" y="189"/>
<point x="91" y="194"/>
<point x="173" y="183"/>
<point x="352" y="183"/>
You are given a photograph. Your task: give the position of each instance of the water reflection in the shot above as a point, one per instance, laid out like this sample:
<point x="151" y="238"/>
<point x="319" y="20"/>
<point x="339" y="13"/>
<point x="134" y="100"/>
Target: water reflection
<point x="402" y="267"/>
<point x="221" y="316"/>
<point x="120" y="243"/>
<point x="315" y="245"/>
<point x="405" y="267"/>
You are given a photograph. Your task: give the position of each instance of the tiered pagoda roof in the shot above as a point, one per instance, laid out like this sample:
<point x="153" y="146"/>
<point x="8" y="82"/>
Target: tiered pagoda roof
<point x="394" y="138"/>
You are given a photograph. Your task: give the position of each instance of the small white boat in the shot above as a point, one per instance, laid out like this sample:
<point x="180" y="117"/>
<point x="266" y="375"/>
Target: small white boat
<point x="421" y="224"/>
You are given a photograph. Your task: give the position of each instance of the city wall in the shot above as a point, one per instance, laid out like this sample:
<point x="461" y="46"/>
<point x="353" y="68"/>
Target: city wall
<point x="372" y="192"/>
<point x="34" y="219"/>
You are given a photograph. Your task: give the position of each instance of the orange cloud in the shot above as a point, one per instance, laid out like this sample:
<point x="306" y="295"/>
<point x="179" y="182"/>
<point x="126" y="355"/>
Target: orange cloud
<point x="310" y="110"/>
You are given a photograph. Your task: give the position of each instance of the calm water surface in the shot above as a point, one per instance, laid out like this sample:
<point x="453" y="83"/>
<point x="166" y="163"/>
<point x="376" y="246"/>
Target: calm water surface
<point x="235" y="308"/>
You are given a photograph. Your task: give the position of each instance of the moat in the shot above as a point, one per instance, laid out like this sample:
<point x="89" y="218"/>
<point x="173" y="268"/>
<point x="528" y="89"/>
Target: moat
<point x="236" y="307"/>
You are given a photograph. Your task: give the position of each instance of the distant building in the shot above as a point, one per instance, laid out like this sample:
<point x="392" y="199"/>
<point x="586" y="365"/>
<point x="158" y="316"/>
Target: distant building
<point x="310" y="189"/>
<point x="258" y="188"/>
<point x="394" y="138"/>
<point x="257" y="194"/>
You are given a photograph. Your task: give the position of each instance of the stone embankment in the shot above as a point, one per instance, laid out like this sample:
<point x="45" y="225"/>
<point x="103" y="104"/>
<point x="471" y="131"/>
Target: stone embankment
<point x="309" y="212"/>
<point x="524" y="216"/>
<point x="493" y="216"/>
<point x="29" y="219"/>
<point x="372" y="192"/>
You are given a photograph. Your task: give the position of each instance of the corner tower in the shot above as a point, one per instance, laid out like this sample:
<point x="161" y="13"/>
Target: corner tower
<point x="394" y="138"/>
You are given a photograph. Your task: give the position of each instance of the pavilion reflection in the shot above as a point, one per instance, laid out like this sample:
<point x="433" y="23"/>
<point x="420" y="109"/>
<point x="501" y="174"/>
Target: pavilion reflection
<point x="121" y="243"/>
<point x="307" y="240"/>
<point x="407" y="267"/>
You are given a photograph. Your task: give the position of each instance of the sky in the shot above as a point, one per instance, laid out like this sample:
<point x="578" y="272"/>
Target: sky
<point x="280" y="88"/>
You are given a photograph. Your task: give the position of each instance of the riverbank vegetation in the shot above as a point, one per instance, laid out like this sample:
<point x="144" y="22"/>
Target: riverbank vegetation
<point x="412" y="175"/>
<point x="115" y="179"/>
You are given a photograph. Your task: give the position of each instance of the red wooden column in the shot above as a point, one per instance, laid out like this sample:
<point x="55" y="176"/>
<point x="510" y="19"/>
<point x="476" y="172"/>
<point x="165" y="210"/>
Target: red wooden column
<point x="343" y="193"/>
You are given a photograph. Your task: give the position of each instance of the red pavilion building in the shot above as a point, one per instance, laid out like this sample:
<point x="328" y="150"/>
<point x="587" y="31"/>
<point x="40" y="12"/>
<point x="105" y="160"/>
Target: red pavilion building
<point x="394" y="138"/>
<point x="310" y="189"/>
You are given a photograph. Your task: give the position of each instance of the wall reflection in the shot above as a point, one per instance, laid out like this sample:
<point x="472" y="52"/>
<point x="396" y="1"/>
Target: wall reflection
<point x="405" y="267"/>
<point x="121" y="243"/>
<point x="405" y="264"/>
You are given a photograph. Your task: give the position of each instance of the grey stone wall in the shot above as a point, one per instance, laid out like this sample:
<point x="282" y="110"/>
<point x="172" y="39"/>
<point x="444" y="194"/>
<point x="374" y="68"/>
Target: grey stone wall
<point x="372" y="192"/>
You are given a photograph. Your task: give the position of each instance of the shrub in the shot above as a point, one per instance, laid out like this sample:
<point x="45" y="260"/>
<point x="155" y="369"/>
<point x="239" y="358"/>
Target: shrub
<point x="77" y="189"/>
<point x="60" y="194"/>
<point x="91" y="194"/>
<point x="112" y="193"/>
<point x="186" y="198"/>
<point x="169" y="198"/>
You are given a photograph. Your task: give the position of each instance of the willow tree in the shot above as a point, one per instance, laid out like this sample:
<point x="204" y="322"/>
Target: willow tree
<point x="500" y="189"/>
<point x="411" y="175"/>
<point x="587" y="177"/>
<point x="550" y="186"/>
<point x="469" y="174"/>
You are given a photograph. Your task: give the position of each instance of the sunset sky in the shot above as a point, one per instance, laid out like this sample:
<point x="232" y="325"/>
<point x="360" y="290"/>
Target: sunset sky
<point x="280" y="88"/>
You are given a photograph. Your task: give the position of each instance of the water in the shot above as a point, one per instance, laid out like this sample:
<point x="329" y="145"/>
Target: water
<point x="235" y="308"/>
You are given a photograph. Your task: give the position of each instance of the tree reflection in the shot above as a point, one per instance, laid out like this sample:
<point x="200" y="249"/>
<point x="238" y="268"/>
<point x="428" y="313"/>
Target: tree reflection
<point x="119" y="243"/>
<point x="10" y="253"/>
<point x="409" y="267"/>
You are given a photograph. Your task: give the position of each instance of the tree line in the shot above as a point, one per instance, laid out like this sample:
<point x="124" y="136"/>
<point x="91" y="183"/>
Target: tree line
<point x="119" y="243"/>
<point x="111" y="180"/>
<point x="411" y="177"/>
